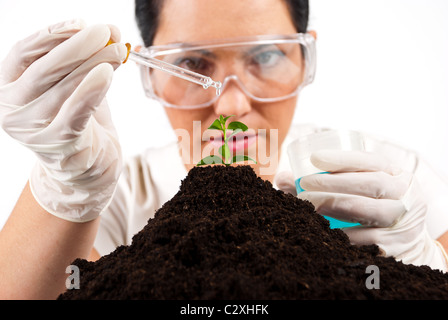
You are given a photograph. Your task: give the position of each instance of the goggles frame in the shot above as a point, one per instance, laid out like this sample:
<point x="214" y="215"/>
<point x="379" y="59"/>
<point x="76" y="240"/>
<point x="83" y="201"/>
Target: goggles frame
<point x="305" y="39"/>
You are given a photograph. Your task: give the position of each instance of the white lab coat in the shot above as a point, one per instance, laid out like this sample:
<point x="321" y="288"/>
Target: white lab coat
<point x="153" y="177"/>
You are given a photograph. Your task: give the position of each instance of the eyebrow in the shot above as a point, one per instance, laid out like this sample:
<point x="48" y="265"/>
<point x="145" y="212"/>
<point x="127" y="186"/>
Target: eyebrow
<point x="261" y="47"/>
<point x="204" y="52"/>
<point x="255" y="49"/>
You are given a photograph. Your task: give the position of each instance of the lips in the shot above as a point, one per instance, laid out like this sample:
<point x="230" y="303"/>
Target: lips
<point x="240" y="141"/>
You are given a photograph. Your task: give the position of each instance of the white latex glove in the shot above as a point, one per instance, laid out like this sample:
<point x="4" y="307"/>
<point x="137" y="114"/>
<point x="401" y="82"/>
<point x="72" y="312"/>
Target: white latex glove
<point x="52" y="89"/>
<point x="363" y="187"/>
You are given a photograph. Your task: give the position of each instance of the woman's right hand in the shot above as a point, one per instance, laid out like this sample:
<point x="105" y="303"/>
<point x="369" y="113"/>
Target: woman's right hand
<point x="52" y="100"/>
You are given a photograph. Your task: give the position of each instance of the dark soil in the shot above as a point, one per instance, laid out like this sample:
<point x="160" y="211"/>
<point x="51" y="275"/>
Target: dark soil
<point x="227" y="234"/>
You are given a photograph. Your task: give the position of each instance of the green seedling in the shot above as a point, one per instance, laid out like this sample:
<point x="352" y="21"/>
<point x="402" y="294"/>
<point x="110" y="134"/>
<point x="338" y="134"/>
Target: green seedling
<point x="224" y="150"/>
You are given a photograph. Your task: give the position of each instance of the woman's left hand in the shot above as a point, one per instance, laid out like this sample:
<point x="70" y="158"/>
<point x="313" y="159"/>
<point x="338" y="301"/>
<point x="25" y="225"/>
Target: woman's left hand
<point x="363" y="187"/>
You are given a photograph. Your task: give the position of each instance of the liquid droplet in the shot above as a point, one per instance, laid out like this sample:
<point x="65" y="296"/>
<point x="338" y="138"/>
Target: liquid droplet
<point x="218" y="87"/>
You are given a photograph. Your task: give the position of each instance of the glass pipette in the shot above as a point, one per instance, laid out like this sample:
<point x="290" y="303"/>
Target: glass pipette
<point x="176" y="71"/>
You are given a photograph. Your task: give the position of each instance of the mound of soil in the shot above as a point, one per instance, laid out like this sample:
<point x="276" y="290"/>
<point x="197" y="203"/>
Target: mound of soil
<point x="228" y="234"/>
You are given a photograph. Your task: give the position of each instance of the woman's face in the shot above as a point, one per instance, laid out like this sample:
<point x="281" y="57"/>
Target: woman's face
<point x="198" y="20"/>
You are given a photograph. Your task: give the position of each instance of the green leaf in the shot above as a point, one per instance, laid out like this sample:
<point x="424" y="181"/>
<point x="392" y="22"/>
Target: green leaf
<point x="233" y="133"/>
<point x="239" y="158"/>
<point x="216" y="125"/>
<point x="224" y="120"/>
<point x="221" y="151"/>
<point x="237" y="125"/>
<point x="210" y="160"/>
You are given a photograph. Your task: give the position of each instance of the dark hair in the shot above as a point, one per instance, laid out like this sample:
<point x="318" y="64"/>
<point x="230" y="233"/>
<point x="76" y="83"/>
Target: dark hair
<point x="147" y="13"/>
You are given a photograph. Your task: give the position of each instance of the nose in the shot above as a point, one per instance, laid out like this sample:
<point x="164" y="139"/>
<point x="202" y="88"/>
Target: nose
<point x="232" y="101"/>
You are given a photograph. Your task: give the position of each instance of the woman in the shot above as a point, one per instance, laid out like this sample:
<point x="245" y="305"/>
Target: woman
<point x="52" y="101"/>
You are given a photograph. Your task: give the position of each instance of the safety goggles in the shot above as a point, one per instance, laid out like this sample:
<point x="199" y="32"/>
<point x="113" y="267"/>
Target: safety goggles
<point x="266" y="68"/>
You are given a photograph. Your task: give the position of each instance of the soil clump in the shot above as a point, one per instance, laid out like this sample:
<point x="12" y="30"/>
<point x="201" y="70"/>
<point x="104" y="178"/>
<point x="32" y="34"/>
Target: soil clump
<point x="228" y="234"/>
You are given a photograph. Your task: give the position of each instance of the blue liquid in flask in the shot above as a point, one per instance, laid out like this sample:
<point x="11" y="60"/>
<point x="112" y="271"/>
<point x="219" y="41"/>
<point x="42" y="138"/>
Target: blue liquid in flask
<point x="334" y="223"/>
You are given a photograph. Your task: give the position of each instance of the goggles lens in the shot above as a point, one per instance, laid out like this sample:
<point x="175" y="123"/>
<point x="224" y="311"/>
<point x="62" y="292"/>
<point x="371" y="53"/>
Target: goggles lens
<point x="265" y="69"/>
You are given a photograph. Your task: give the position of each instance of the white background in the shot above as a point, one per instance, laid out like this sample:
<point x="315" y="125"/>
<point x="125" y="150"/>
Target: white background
<point x="382" y="68"/>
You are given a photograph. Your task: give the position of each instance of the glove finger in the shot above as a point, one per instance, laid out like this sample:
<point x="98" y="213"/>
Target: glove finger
<point x="103" y="116"/>
<point x="113" y="54"/>
<point x="351" y="161"/>
<point x="25" y="124"/>
<point x="72" y="117"/>
<point x="56" y="64"/>
<point x="362" y="236"/>
<point x="28" y="50"/>
<point x="353" y="208"/>
<point x="386" y="241"/>
<point x="285" y="182"/>
<point x="115" y="34"/>
<point x="79" y="107"/>
<point x="376" y="185"/>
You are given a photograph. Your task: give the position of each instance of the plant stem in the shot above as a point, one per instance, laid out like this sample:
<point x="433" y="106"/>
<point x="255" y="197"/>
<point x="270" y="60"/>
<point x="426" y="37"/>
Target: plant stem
<point x="225" y="143"/>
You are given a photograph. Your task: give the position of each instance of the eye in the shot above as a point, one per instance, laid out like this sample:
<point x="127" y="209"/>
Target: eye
<point x="196" y="64"/>
<point x="269" y="58"/>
